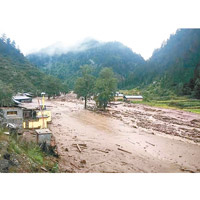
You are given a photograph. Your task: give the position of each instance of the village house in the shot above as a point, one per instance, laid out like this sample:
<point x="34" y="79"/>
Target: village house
<point x="35" y="118"/>
<point x="22" y="99"/>
<point x="27" y="118"/>
<point x="133" y="98"/>
<point x="13" y="115"/>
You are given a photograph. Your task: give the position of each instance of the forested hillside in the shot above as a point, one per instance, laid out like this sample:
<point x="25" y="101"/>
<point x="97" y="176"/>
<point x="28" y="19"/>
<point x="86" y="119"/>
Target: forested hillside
<point x="17" y="74"/>
<point x="66" y="66"/>
<point x="172" y="66"/>
<point x="173" y="69"/>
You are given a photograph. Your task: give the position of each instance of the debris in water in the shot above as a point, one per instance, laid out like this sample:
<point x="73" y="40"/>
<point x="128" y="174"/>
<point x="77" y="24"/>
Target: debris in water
<point x="150" y="143"/>
<point x="44" y="169"/>
<point x="74" y="165"/>
<point x="78" y="147"/>
<point x="66" y="149"/>
<point x="131" y="142"/>
<point x="83" y="162"/>
<point x="124" y="150"/>
<point x="100" y="150"/>
<point x="98" y="163"/>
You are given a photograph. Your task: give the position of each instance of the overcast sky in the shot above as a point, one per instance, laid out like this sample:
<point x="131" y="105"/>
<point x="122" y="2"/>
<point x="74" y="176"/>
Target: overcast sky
<point x="141" y="25"/>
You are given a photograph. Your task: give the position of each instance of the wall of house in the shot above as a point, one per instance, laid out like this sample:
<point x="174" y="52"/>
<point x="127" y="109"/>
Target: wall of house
<point x="34" y="124"/>
<point x="45" y="113"/>
<point x="44" y="138"/>
<point x="12" y="115"/>
<point x="134" y="99"/>
<point x="24" y="100"/>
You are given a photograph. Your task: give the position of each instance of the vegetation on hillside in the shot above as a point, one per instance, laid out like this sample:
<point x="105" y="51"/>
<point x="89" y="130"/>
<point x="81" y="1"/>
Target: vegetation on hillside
<point x="17" y="74"/>
<point x="180" y="103"/>
<point x="17" y="155"/>
<point x="173" y="69"/>
<point x="172" y="66"/>
<point x="5" y="94"/>
<point x="66" y="66"/>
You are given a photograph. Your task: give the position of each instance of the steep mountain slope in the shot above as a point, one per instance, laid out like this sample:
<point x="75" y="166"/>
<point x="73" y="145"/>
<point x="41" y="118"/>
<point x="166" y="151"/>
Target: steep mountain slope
<point x="17" y="73"/>
<point x="174" y="63"/>
<point x="66" y="66"/>
<point x="172" y="69"/>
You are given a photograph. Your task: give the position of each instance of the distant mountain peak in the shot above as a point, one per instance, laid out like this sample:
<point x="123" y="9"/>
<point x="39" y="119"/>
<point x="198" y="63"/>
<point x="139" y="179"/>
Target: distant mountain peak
<point x="59" y="48"/>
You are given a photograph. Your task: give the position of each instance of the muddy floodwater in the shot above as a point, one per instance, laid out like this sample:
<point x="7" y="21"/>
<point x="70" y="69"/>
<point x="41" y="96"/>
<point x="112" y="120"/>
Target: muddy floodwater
<point x="127" y="138"/>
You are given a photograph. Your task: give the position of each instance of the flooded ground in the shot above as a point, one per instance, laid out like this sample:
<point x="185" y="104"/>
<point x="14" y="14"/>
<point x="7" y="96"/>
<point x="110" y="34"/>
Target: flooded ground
<point x="127" y="138"/>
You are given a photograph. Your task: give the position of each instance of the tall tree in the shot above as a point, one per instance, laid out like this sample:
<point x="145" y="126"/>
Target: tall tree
<point x="197" y="89"/>
<point x="52" y="86"/>
<point x="5" y="94"/>
<point x="84" y="86"/>
<point x="106" y="86"/>
<point x="64" y="88"/>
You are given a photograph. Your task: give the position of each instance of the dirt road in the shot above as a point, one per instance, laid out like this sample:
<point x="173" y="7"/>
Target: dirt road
<point x="128" y="138"/>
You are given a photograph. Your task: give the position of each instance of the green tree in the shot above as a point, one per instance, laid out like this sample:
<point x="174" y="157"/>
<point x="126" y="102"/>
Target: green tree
<point x="197" y="89"/>
<point x="5" y="94"/>
<point x="84" y="86"/>
<point x="106" y="86"/>
<point x="52" y="86"/>
<point x="64" y="88"/>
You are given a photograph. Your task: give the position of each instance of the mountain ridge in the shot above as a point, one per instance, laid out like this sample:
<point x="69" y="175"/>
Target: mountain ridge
<point x="17" y="74"/>
<point x="168" y="71"/>
<point x="99" y="54"/>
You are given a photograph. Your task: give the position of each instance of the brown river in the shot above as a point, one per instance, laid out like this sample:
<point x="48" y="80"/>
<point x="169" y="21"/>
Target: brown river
<point x="127" y="138"/>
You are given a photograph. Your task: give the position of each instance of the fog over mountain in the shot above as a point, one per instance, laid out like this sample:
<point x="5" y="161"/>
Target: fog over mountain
<point x="59" y="48"/>
<point x="64" y="62"/>
<point x="171" y="66"/>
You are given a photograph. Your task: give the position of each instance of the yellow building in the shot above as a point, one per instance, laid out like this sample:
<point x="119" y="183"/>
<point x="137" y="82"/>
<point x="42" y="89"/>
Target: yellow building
<point x="45" y="113"/>
<point x="39" y="120"/>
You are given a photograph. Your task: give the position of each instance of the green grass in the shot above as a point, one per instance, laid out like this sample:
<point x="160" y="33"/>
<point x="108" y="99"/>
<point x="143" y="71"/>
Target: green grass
<point x="130" y="92"/>
<point x="15" y="147"/>
<point x="31" y="155"/>
<point x="35" y="154"/>
<point x="169" y="101"/>
<point x="190" y="105"/>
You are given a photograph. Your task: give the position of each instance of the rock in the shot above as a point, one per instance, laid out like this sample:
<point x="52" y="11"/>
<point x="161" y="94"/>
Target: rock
<point x="6" y="156"/>
<point x="44" y="169"/>
<point x="4" y="165"/>
<point x="83" y="162"/>
<point x="66" y="149"/>
<point x="14" y="161"/>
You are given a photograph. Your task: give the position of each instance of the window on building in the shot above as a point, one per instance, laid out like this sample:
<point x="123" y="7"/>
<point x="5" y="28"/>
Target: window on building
<point x="12" y="113"/>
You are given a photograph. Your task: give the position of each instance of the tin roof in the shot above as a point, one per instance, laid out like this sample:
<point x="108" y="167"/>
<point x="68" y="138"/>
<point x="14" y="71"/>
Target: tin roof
<point x="28" y="94"/>
<point x="21" y="98"/>
<point x="133" y="97"/>
<point x="119" y="95"/>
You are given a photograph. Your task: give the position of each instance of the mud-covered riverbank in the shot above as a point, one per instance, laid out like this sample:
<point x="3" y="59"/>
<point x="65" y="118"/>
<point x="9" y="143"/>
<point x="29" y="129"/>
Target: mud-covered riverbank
<point x="127" y="138"/>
